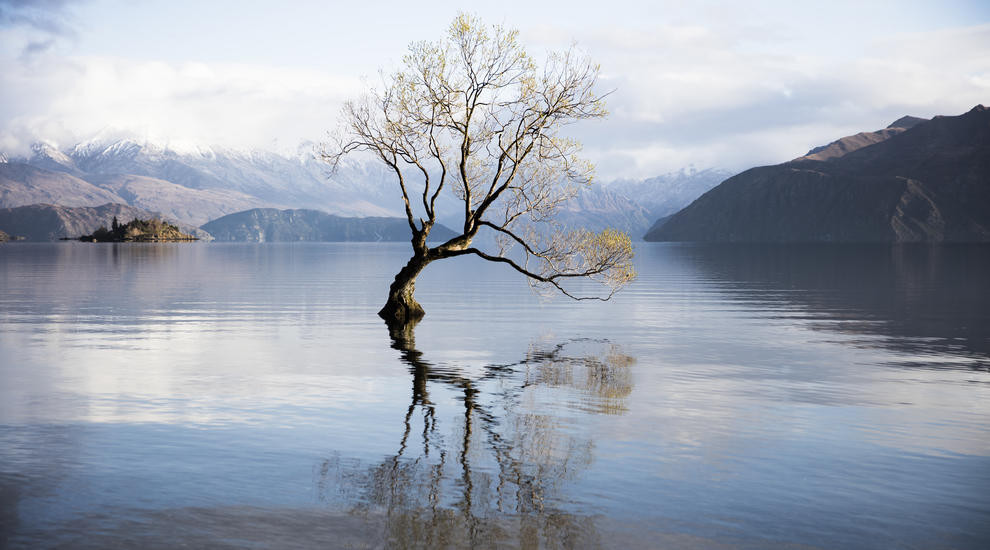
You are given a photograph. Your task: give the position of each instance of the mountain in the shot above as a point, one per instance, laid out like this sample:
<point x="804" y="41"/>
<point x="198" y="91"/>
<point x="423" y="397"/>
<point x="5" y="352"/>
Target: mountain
<point x="272" y="179"/>
<point x="47" y="222"/>
<point x="191" y="184"/>
<point x="926" y="183"/>
<point x="632" y="205"/>
<point x="849" y="144"/>
<point x="23" y="184"/>
<point x="597" y="208"/>
<point x="195" y="184"/>
<point x="272" y="225"/>
<point x="666" y="194"/>
<point x="46" y="155"/>
<point x="193" y="206"/>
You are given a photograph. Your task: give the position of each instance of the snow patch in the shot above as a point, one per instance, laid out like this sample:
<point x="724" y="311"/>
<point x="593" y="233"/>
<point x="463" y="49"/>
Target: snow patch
<point x="47" y="150"/>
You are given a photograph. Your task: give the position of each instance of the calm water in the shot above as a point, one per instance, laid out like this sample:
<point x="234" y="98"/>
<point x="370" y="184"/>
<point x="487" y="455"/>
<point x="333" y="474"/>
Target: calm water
<point x="223" y="396"/>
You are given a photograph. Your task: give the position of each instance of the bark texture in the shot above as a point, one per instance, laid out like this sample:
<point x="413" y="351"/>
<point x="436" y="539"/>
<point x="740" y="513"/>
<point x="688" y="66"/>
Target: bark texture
<point x="401" y="308"/>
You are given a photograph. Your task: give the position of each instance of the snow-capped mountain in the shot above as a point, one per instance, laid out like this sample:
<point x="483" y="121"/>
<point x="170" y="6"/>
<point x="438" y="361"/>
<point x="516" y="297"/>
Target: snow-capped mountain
<point x="634" y="205"/>
<point x="47" y="155"/>
<point x="665" y="194"/>
<point x="195" y="184"/>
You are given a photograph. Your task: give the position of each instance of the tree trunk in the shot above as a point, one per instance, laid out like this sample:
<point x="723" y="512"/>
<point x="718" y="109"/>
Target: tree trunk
<point x="401" y="307"/>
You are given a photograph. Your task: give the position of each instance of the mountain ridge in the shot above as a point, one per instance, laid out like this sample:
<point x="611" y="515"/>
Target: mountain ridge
<point x="928" y="183"/>
<point x="198" y="184"/>
<point x="848" y="144"/>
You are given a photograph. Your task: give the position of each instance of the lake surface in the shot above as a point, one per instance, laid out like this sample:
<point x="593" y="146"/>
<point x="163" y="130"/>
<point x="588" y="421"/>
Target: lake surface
<point x="230" y="396"/>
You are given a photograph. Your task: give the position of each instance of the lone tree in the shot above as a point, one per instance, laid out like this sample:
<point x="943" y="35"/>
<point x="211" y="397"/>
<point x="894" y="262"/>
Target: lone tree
<point x="473" y="116"/>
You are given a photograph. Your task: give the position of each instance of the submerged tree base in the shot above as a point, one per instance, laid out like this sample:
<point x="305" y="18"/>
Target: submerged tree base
<point x="401" y="308"/>
<point x="399" y="314"/>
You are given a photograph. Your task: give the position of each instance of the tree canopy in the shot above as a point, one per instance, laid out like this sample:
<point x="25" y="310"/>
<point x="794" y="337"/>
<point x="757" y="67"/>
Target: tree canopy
<point x="473" y="116"/>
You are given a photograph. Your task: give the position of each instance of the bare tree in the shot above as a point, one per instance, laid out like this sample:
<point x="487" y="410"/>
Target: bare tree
<point x="474" y="116"/>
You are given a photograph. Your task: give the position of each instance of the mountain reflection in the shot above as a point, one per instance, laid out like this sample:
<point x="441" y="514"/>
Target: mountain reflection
<point x="917" y="298"/>
<point x="488" y="473"/>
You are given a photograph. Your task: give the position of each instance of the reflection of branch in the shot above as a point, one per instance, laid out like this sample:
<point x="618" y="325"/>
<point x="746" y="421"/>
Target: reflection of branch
<point x="426" y="504"/>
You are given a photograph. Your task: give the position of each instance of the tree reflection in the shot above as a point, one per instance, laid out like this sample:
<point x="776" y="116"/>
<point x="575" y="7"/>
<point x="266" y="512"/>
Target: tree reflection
<point x="494" y="476"/>
<point x="918" y="297"/>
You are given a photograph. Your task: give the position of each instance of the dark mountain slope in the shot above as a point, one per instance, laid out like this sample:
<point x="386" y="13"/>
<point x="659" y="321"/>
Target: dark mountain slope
<point x="271" y="225"/>
<point x="47" y="222"/>
<point x="848" y="144"/>
<point x="929" y="183"/>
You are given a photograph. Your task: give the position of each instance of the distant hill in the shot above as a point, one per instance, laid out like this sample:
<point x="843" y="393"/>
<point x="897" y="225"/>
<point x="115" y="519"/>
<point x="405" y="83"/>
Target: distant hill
<point x="273" y="225"/>
<point x="47" y="222"/>
<point x="926" y="183"/>
<point x="848" y="144"/>
<point x="193" y="206"/>
<point x="632" y="205"/>
<point x="197" y="184"/>
<point x="666" y="194"/>
<point x="23" y="184"/>
<point x="191" y="184"/>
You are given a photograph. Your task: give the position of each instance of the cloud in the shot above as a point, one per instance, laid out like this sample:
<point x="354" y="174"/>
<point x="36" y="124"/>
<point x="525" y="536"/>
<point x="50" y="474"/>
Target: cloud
<point x="41" y="23"/>
<point x="235" y="105"/>
<point x="37" y="47"/>
<point x="45" y="15"/>
<point x="693" y="95"/>
<point x="50" y="91"/>
<point x="715" y="87"/>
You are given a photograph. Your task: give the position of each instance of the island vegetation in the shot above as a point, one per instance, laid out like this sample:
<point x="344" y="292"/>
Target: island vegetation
<point x="136" y="230"/>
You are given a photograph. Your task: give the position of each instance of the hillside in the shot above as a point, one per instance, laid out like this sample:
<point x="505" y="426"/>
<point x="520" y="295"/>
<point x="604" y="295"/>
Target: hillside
<point x="272" y="225"/>
<point x="193" y="206"/>
<point x="47" y="222"/>
<point x="848" y="144"/>
<point x="194" y="185"/>
<point x="22" y="184"/>
<point x="632" y="205"/>
<point x="926" y="183"/>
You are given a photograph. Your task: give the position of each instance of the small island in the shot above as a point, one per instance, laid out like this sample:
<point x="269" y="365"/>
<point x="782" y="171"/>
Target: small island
<point x="157" y="231"/>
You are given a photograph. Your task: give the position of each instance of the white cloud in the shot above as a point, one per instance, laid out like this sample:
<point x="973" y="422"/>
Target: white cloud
<point x="235" y="105"/>
<point x="712" y="86"/>
<point x="689" y="95"/>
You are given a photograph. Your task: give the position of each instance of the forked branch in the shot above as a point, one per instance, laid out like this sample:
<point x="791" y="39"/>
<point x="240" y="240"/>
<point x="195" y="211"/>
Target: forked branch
<point x="475" y="116"/>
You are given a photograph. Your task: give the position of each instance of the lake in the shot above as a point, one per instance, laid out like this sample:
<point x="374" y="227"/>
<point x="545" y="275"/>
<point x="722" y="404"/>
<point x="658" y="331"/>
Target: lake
<point x="241" y="395"/>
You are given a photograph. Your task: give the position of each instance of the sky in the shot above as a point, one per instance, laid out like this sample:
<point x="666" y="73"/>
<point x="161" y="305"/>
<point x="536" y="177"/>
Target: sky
<point x="725" y="85"/>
